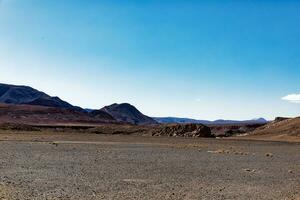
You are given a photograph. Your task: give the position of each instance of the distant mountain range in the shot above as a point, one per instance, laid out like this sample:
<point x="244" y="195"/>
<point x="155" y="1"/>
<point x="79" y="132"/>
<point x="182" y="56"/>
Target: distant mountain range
<point x="168" y="120"/>
<point x="115" y="113"/>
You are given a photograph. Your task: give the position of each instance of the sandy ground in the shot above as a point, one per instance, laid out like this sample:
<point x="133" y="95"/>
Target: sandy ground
<point x="89" y="166"/>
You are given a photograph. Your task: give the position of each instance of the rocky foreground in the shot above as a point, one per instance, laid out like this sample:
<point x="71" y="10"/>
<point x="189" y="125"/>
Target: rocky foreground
<point x="94" y="166"/>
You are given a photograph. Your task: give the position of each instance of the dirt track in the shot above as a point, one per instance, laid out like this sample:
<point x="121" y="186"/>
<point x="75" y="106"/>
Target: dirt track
<point x="76" y="166"/>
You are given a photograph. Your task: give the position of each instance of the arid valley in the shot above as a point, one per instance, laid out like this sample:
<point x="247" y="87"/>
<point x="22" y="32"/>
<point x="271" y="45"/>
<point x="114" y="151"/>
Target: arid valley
<point x="149" y="100"/>
<point x="56" y="151"/>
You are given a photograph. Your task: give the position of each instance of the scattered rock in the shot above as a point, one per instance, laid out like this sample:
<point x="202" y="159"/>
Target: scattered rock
<point x="54" y="143"/>
<point x="250" y="170"/>
<point x="269" y="155"/>
<point x="279" y="119"/>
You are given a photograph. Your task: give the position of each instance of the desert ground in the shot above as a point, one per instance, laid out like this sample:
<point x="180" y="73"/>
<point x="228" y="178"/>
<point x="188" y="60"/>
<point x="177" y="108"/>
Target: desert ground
<point x="66" y="165"/>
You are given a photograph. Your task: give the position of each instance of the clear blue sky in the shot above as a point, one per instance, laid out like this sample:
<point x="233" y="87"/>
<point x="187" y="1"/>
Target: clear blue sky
<point x="210" y="59"/>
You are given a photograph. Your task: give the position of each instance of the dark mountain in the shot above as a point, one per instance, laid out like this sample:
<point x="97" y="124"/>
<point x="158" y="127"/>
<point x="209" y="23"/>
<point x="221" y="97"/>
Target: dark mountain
<point x="127" y="113"/>
<point x="170" y="120"/>
<point x="22" y="100"/>
<point x="23" y="103"/>
<point x="12" y="94"/>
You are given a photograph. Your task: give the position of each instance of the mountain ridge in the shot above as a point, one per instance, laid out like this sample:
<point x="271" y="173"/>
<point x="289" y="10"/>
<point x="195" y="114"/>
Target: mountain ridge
<point x="20" y="94"/>
<point x="124" y="112"/>
<point x="167" y="120"/>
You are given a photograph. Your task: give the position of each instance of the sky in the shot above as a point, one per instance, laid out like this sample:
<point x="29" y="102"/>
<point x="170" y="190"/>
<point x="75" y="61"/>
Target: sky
<point x="203" y="59"/>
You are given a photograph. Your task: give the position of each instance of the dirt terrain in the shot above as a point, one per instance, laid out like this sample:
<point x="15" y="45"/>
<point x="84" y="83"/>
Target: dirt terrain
<point x="66" y="165"/>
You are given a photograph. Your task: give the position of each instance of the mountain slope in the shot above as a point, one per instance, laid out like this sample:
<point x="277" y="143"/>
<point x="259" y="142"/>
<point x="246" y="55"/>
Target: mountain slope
<point x="281" y="126"/>
<point x="101" y="114"/>
<point x="12" y="94"/>
<point x="127" y="113"/>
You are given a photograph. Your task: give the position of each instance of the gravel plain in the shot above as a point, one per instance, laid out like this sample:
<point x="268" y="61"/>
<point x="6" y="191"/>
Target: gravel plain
<point x="89" y="166"/>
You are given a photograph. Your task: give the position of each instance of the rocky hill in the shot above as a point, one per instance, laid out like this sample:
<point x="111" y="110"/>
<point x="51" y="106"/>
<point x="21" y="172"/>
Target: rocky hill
<point x="281" y="129"/>
<point x="128" y="114"/>
<point x="281" y="126"/>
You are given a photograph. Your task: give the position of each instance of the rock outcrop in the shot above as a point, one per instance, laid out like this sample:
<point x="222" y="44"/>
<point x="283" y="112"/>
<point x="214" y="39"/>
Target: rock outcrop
<point x="183" y="130"/>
